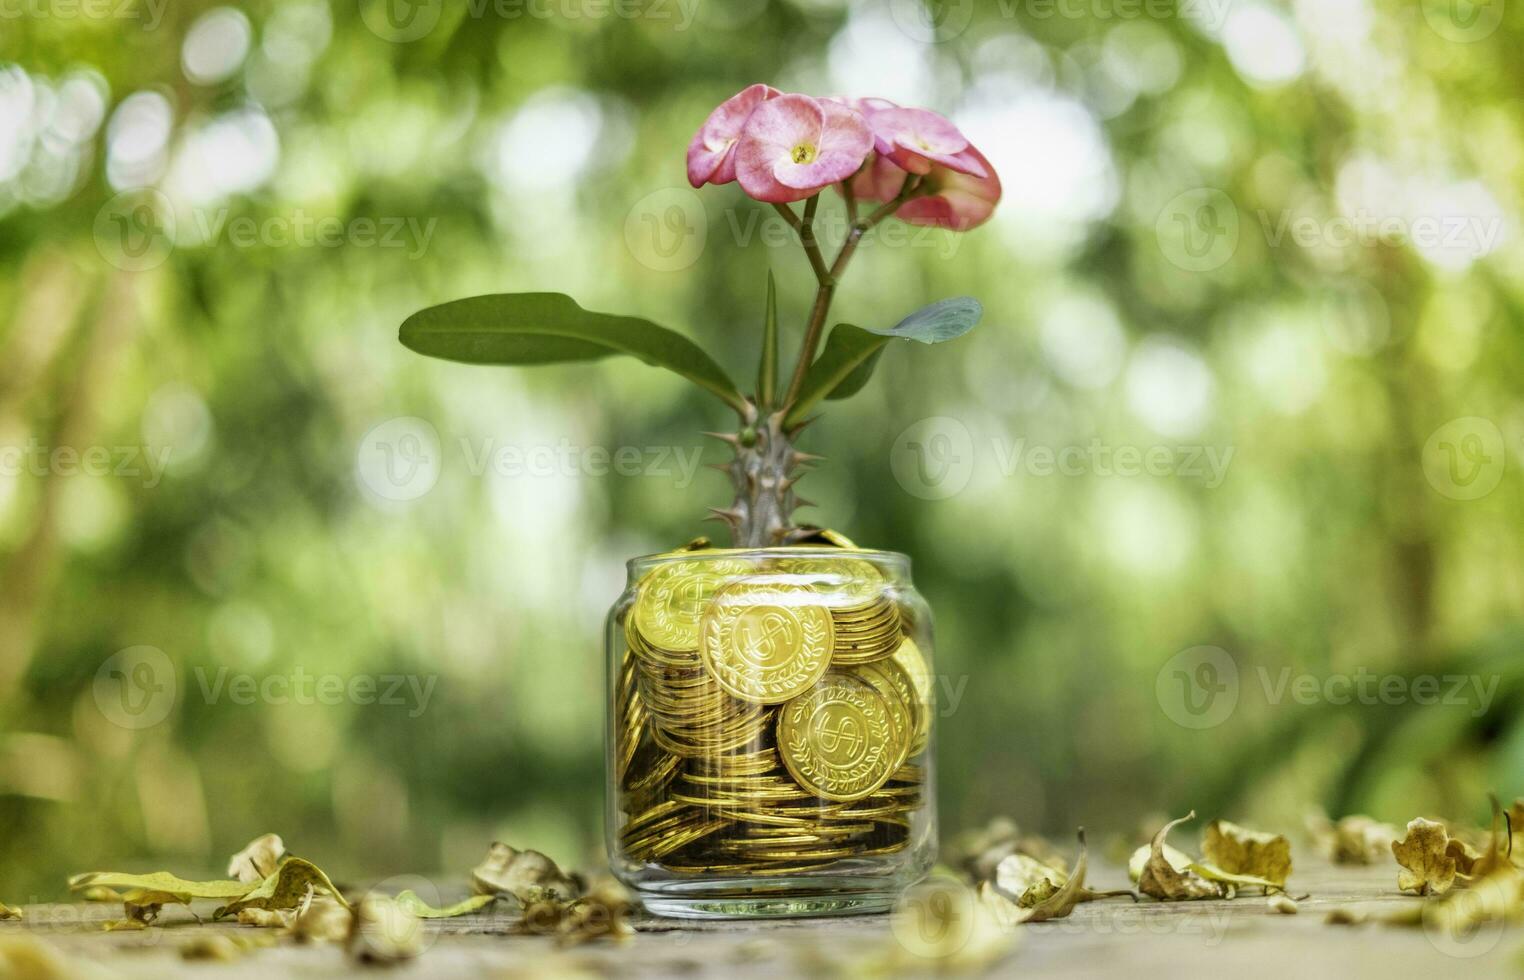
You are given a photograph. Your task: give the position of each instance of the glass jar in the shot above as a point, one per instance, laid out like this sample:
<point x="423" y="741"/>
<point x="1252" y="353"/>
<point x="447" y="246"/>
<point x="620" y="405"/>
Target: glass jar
<point x="769" y="737"/>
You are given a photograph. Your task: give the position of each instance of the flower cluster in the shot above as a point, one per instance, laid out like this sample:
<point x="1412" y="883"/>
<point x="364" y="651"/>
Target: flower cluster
<point x="785" y="147"/>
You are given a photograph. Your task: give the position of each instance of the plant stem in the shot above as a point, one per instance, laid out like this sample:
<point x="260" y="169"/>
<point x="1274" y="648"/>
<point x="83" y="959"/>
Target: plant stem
<point x="829" y="278"/>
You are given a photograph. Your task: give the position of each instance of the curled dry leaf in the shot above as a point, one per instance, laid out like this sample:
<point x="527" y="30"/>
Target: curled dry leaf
<point x="529" y="876"/>
<point x="382" y="931"/>
<point x="258" y="860"/>
<point x="1355" y="839"/>
<point x="1162" y="875"/>
<point x="1427" y="866"/>
<point x="1240" y="851"/>
<point x="1030" y="891"/>
<point x="1026" y="880"/>
<point x="10" y="912"/>
<point x="291" y="885"/>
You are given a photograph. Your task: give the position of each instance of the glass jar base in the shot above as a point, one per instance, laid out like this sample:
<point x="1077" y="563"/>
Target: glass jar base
<point x="777" y="899"/>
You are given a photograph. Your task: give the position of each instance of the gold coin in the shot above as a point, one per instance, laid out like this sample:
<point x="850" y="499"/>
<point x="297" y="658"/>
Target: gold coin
<point x="908" y="658"/>
<point x="848" y="582"/>
<point x="672" y="599"/>
<point x="895" y="685"/>
<point x="766" y="643"/>
<point x="839" y="739"/>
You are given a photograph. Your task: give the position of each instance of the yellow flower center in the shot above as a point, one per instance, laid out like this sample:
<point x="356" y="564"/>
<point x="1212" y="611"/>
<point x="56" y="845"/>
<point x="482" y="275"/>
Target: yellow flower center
<point x="804" y="153"/>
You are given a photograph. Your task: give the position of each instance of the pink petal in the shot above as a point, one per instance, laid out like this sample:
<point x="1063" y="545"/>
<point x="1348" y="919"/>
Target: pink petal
<point x="880" y="180"/>
<point x="764" y="156"/>
<point x="959" y="201"/>
<point x="711" y="153"/>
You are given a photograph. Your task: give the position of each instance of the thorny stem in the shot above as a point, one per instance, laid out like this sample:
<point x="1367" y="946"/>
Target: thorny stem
<point x="766" y="465"/>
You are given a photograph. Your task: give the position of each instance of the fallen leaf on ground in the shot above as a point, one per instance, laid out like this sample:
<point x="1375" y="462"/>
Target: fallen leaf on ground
<point x="258" y="860"/>
<point x="1241" y="851"/>
<point x="10" y="912"/>
<point x="1355" y="839"/>
<point x="287" y="888"/>
<point x="529" y="876"/>
<point x="146" y="894"/>
<point x="1427" y="868"/>
<point x="410" y="901"/>
<point x="1161" y="876"/>
<point x="1030" y="883"/>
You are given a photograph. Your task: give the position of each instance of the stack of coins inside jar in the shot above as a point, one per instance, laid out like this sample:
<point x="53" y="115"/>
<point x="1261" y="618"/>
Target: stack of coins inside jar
<point x="768" y="716"/>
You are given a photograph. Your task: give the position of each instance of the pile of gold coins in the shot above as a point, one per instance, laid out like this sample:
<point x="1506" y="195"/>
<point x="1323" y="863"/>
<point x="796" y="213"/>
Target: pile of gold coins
<point x="766" y="714"/>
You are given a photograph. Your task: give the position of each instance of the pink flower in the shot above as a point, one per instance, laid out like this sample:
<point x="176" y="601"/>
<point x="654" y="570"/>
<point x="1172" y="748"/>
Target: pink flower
<point x="794" y="145"/>
<point x="945" y="198"/>
<point x="711" y="154"/>
<point x="918" y="139"/>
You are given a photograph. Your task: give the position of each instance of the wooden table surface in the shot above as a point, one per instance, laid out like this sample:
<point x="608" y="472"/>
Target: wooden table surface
<point x="1239" y="939"/>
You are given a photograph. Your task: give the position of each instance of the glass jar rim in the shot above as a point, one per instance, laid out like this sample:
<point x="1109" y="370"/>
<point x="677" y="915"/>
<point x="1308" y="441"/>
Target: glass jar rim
<point x="887" y="558"/>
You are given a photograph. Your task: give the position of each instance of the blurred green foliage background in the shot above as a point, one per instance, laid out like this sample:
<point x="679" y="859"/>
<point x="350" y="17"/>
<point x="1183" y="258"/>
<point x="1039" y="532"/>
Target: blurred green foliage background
<point x="1279" y="235"/>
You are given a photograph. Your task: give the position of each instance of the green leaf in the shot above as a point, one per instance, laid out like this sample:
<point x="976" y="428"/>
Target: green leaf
<point x="845" y="363"/>
<point x="161" y="881"/>
<point x="940" y="321"/>
<point x="546" y="328"/>
<point x="767" y="368"/>
<point x="410" y="901"/>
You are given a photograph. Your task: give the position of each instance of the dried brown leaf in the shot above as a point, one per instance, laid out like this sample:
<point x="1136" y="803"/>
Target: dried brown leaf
<point x="1241" y="851"/>
<point x="527" y="875"/>
<point x="10" y="912"/>
<point x="290" y="885"/>
<point x="1427" y="867"/>
<point x="1161" y="878"/>
<point x="258" y="860"/>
